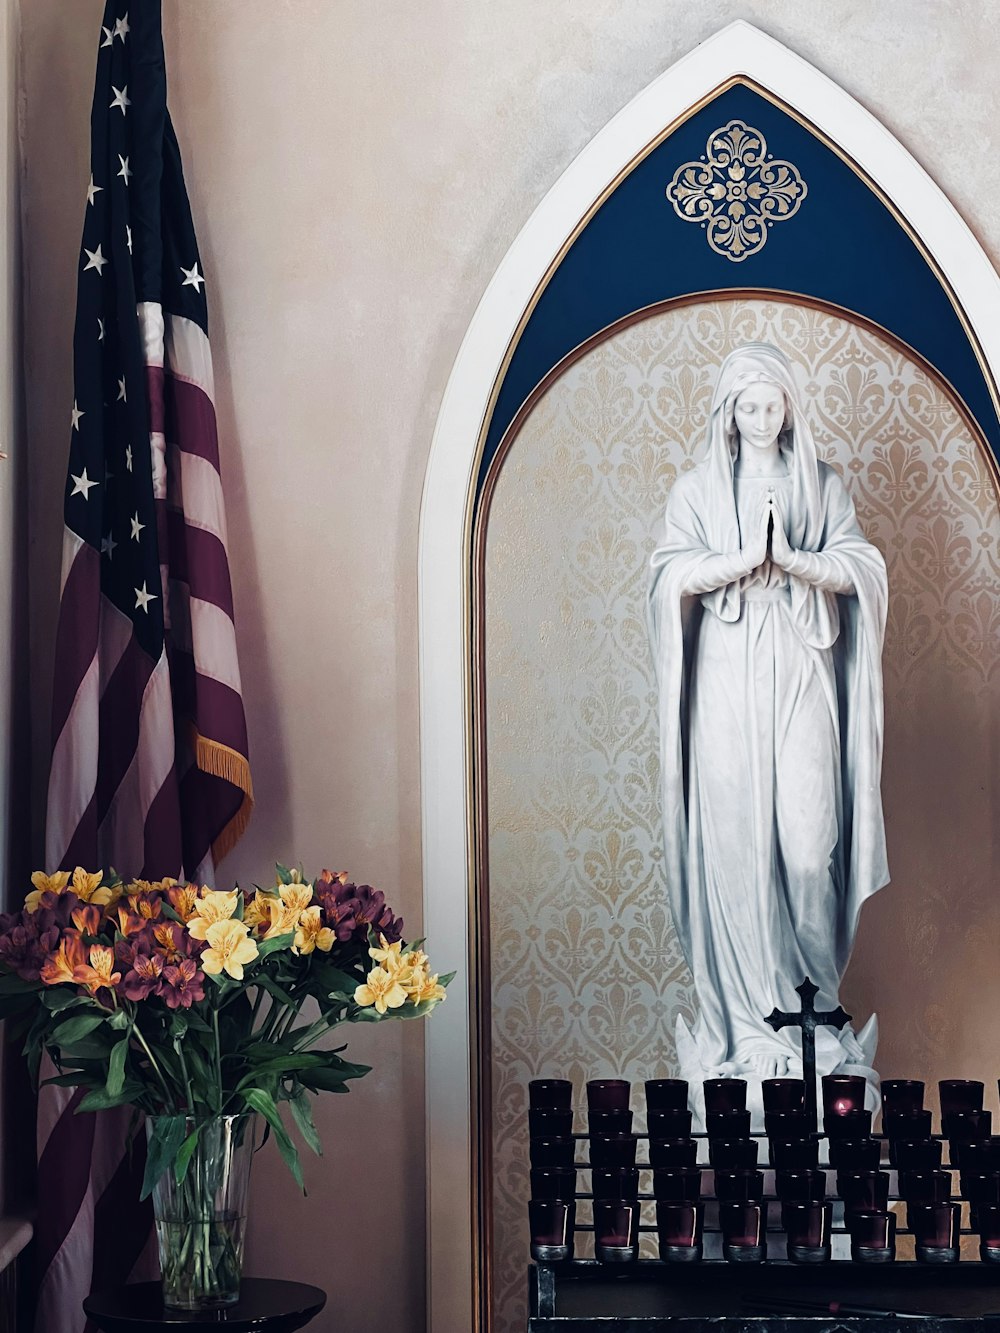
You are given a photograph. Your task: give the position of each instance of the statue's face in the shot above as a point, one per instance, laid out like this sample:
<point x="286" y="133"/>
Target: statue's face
<point x="760" y="413"/>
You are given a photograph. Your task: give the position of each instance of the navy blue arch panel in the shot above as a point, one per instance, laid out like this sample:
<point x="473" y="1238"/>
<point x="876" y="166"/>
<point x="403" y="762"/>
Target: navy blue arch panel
<point x="843" y="245"/>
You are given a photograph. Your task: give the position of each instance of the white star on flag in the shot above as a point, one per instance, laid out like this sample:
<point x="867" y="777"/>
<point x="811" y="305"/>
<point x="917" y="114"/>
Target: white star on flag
<point x="122" y="395"/>
<point x="128" y="237"/>
<point x="126" y="170"/>
<point x="76" y="414"/>
<point x="109" y="36"/>
<point x="108" y="545"/>
<point x="93" y="190"/>
<point x="82" y="485"/>
<point x="121" y="28"/>
<point x="122" y="99"/>
<point x="128" y="457"/>
<point x="137" y="527"/>
<point x="192" y="277"/>
<point x="95" y="259"/>
<point x="100" y="329"/>
<point x="143" y="598"/>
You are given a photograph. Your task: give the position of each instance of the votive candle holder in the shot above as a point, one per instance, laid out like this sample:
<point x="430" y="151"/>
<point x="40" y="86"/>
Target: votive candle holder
<point x="936" y="1231"/>
<point x="725" y="1094"/>
<point x="739" y="1186"/>
<point x="732" y="1154"/>
<point x="616" y="1231"/>
<point x="960" y="1094"/>
<point x="673" y="1152"/>
<point x="609" y="1122"/>
<point x="848" y="1125"/>
<point x="673" y="1123"/>
<point x="545" y="1122"/>
<point x="925" y="1186"/>
<point x="855" y="1154"/>
<point x="615" y="1182"/>
<point x="677" y="1184"/>
<point x="842" y="1093"/>
<point x="902" y="1094"/>
<point x="553" y="1151"/>
<point x="789" y="1124"/>
<point x="988" y="1226"/>
<point x="728" y="1124"/>
<point x="744" y="1231"/>
<point x="551" y="1223"/>
<point x="612" y="1149"/>
<point x="783" y="1094"/>
<point x="666" y="1094"/>
<point x="863" y="1191"/>
<point x="553" y="1182"/>
<point x="793" y="1154"/>
<point x="551" y="1094"/>
<point x="608" y="1094"/>
<point x="808" y="1225"/>
<point x="680" y="1230"/>
<point x="918" y="1154"/>
<point x="873" y="1236"/>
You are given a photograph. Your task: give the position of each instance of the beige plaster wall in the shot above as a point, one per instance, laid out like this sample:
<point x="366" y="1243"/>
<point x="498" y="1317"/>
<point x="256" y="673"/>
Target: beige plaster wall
<point x="357" y="169"/>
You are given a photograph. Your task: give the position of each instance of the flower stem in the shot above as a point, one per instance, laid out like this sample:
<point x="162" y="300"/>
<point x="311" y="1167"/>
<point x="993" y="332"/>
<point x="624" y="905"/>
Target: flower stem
<point x="168" y="1099"/>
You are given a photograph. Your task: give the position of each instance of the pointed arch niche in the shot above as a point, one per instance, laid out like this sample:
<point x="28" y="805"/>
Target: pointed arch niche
<point x="871" y="239"/>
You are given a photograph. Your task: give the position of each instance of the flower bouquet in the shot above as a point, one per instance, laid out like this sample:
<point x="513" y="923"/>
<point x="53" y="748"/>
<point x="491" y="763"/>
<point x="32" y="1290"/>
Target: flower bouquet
<point x="186" y="1004"/>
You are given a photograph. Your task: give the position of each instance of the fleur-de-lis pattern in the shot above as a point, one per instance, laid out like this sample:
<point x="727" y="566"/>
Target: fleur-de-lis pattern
<point x="737" y="191"/>
<point x="587" y="979"/>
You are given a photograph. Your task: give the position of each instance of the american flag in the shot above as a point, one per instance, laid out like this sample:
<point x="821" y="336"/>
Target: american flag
<point x="149" y="762"/>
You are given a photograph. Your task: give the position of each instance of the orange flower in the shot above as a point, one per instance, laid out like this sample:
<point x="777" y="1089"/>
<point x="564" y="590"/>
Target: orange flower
<point x="60" y="967"/>
<point x="101" y="970"/>
<point x="87" y="919"/>
<point x="182" y="898"/>
<point x="129" y="923"/>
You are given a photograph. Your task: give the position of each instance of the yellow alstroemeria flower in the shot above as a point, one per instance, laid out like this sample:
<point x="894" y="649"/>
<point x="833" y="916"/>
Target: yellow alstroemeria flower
<point x="61" y="967"/>
<point x="424" y="987"/>
<point x="256" y="912"/>
<point x="138" y="886"/>
<point x="389" y="955"/>
<point x="296" y="895"/>
<point x="229" y="948"/>
<point x="182" y="898"/>
<point x="284" y="918"/>
<point x="312" y="934"/>
<point x="45" y="884"/>
<point x="88" y="887"/>
<point x="101" y="971"/>
<point x="211" y="909"/>
<point x="381" y="990"/>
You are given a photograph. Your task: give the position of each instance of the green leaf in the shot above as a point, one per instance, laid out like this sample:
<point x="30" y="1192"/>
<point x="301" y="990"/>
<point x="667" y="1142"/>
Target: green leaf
<point x="283" y="873"/>
<point x="116" y="1068"/>
<point x="101" y="1100"/>
<point x="276" y="942"/>
<point x="162" y="1150"/>
<point x="185" y="1153"/>
<point x="119" y="1020"/>
<point x="279" y="993"/>
<point x="447" y="978"/>
<point x="74" y="1029"/>
<point x="302" y="1115"/>
<point x="57" y="998"/>
<point x="325" y="1079"/>
<point x="259" y="1100"/>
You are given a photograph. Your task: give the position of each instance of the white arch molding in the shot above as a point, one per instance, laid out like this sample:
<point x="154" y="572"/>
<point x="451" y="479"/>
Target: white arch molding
<point x="444" y="612"/>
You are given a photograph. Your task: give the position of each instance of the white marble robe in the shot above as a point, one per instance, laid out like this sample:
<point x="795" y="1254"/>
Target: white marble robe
<point x="771" y="728"/>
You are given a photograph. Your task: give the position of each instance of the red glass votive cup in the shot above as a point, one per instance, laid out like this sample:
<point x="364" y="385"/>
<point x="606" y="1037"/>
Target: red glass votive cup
<point x="908" y="1126"/>
<point x="843" y="1093"/>
<point x="960" y="1094"/>
<point x="936" y="1231"/>
<point x="673" y="1152"/>
<point x="615" y="1182"/>
<point x="666" y="1094"/>
<point x="793" y="1154"/>
<point x="551" y="1222"/>
<point x="616" y="1231"/>
<point x="744" y="1231"/>
<point x="553" y="1151"/>
<point x="855" y="1154"/>
<point x="791" y="1124"/>
<point x="739" y="1186"/>
<point x="609" y="1122"/>
<point x="550" y="1094"/>
<point x="864" y="1191"/>
<point x="680" y="1184"/>
<point x="669" y="1124"/>
<point x="725" y="1094"/>
<point x="988" y="1220"/>
<point x="549" y="1122"/>
<point x="608" y="1094"/>
<point x="800" y="1186"/>
<point x="918" y="1154"/>
<point x="925" y="1186"/>
<point x="612" y="1149"/>
<point x="982" y="1154"/>
<point x="902" y="1094"/>
<point x="680" y="1230"/>
<point x="962" y="1127"/>
<point x="981" y="1188"/>
<point x="728" y="1124"/>
<point x="808" y="1224"/>
<point x="783" y="1094"/>
<point x="553" y="1182"/>
<point x="873" y="1236"/>
<point x="732" y="1154"/>
<point x="848" y="1125"/>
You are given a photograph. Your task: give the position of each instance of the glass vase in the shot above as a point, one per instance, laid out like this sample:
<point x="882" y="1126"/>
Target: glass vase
<point x="200" y="1222"/>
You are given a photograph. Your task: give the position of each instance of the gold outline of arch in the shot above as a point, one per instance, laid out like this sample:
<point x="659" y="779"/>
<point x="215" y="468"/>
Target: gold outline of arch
<point x="481" y="1221"/>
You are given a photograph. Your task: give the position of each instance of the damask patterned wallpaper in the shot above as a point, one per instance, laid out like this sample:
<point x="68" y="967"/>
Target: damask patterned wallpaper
<point x="586" y="976"/>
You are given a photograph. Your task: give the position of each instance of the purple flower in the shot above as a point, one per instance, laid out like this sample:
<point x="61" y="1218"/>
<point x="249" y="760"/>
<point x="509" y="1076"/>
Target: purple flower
<point x="352" y="909"/>
<point x="144" y="978"/>
<point x="183" y="984"/>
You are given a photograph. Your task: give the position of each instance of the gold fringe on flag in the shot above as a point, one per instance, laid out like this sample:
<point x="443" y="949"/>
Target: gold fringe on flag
<point x="224" y="762"/>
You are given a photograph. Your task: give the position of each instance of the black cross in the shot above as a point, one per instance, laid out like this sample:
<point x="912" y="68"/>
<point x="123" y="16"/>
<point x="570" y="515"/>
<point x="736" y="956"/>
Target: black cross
<point x="808" y="1020"/>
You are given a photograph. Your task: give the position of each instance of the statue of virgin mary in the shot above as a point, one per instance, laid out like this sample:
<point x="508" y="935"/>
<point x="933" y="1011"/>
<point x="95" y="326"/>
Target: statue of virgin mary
<point x="767" y="611"/>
